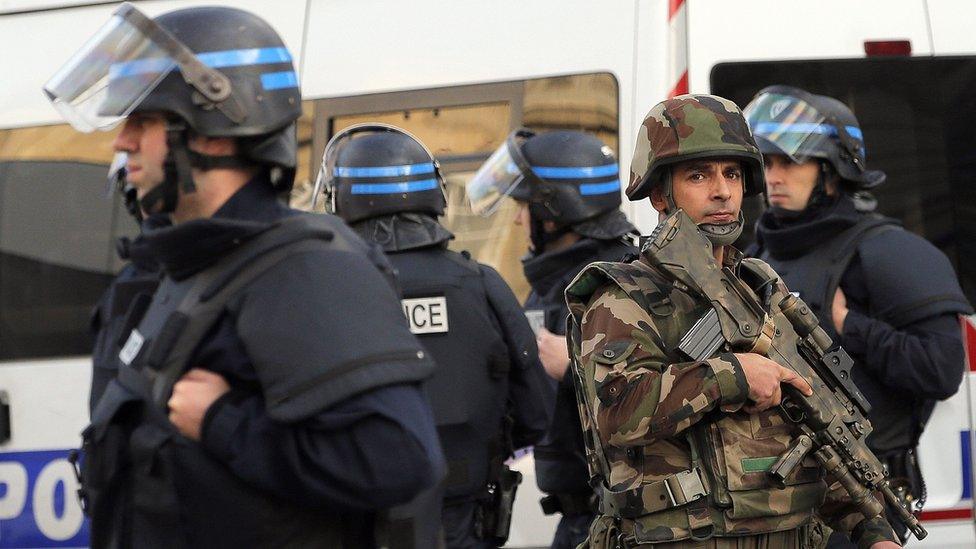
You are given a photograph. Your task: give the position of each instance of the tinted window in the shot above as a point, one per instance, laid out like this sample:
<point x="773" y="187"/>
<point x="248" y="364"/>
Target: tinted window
<point x="56" y="255"/>
<point x="917" y="115"/>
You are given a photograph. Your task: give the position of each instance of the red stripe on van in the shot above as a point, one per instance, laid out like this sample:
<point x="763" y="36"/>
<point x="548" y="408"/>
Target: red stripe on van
<point x="969" y="339"/>
<point x="946" y="514"/>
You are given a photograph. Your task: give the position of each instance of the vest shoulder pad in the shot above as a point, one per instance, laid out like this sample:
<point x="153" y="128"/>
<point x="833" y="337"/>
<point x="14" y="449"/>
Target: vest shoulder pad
<point x="636" y="279"/>
<point x="323" y="326"/>
<point x="464" y="260"/>
<point x="900" y="294"/>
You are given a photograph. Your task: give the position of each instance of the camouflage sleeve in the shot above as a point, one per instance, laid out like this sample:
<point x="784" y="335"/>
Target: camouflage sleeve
<point x="636" y="395"/>
<point x="842" y="516"/>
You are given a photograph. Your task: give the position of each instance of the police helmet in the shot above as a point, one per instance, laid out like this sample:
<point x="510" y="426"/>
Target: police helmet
<point x="371" y="170"/>
<point x="801" y="125"/>
<point x="567" y="177"/>
<point x="215" y="71"/>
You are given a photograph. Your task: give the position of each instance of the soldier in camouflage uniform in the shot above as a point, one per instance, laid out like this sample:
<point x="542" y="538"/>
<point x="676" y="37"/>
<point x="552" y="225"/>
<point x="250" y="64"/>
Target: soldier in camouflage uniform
<point x="678" y="447"/>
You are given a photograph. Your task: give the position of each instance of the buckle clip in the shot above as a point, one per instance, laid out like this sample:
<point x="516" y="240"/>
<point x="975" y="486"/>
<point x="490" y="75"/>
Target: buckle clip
<point x="685" y="487"/>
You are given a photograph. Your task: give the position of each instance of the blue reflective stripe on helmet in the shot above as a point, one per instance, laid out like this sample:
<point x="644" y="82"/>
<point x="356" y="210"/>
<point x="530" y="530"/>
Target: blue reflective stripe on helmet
<point x="279" y="80"/>
<point x="383" y="171"/>
<point x="588" y="189"/>
<point x="214" y="59"/>
<point x="238" y="58"/>
<point x="576" y="172"/>
<point x="393" y="188"/>
<point x="768" y="128"/>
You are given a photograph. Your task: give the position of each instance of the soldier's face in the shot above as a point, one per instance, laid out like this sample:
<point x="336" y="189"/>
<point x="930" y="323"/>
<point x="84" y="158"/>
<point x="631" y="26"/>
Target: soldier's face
<point x="143" y="137"/>
<point x="709" y="191"/>
<point x="788" y="184"/>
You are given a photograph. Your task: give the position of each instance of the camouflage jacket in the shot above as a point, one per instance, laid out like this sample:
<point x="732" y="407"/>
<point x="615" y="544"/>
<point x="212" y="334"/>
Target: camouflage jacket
<point x="655" y="415"/>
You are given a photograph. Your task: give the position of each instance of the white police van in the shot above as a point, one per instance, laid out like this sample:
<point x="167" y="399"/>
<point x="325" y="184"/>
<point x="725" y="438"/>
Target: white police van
<point x="461" y="76"/>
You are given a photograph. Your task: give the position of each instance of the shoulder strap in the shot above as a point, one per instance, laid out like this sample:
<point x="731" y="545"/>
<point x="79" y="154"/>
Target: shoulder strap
<point x="844" y="253"/>
<point x="185" y="328"/>
<point x="596" y="458"/>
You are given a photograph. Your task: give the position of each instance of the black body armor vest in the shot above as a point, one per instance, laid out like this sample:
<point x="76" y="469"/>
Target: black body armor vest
<point x="447" y="307"/>
<point x="816" y="275"/>
<point x="145" y="485"/>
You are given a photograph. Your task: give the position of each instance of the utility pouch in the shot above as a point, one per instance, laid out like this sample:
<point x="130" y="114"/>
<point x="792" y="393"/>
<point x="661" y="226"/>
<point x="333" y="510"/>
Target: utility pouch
<point x="155" y="505"/>
<point x="103" y="450"/>
<point x="493" y="518"/>
<point x="104" y="465"/>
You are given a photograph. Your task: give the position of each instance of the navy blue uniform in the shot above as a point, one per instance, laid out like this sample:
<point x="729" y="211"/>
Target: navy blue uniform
<point x="136" y="281"/>
<point x="560" y="461"/>
<point x="489" y="390"/>
<point x="333" y="463"/>
<point x="902" y="328"/>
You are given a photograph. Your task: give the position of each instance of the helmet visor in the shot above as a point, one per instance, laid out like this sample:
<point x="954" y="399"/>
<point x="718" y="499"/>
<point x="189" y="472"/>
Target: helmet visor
<point x="325" y="180"/>
<point x="792" y="125"/>
<point x="498" y="177"/>
<point x="111" y="74"/>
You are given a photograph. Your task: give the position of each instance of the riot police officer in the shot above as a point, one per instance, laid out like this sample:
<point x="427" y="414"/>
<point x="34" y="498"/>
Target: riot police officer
<point x="262" y="392"/>
<point x="821" y="235"/>
<point x="488" y="392"/>
<point x="567" y="186"/>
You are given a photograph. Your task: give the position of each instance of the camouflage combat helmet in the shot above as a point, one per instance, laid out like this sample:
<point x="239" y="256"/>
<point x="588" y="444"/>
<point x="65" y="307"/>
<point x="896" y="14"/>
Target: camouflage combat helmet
<point x="690" y="127"/>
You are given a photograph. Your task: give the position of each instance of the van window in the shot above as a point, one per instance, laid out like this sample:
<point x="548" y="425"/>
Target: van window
<point x="58" y="226"/>
<point x="917" y="115"/>
<point x="462" y="126"/>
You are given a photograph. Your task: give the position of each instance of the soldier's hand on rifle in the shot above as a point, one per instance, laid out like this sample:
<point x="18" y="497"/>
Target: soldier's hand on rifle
<point x="765" y="379"/>
<point x="192" y="395"/>
<point x="885" y="545"/>
<point x="553" y="353"/>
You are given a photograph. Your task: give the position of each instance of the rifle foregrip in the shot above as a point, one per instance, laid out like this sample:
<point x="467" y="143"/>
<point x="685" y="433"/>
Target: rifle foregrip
<point x="906" y="517"/>
<point x="860" y="495"/>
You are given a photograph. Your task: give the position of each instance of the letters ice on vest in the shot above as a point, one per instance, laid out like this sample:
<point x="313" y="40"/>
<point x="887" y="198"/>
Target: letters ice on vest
<point x="426" y="315"/>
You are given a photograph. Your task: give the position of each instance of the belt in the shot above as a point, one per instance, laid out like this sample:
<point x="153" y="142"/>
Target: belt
<point x="672" y="491"/>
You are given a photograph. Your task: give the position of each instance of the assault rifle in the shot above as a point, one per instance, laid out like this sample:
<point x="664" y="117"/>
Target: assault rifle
<point x="831" y="423"/>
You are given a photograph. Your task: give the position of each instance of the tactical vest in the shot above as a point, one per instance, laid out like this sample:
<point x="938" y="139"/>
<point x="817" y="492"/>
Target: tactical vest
<point x="816" y="275"/>
<point x="146" y="485"/>
<point x="447" y="307"/>
<point x="111" y="325"/>
<point x="721" y="487"/>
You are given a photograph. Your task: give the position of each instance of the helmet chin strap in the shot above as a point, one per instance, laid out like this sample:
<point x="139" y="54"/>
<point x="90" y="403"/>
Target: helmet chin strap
<point x="178" y="170"/>
<point x="176" y="173"/>
<point x="723" y="234"/>
<point x="539" y="237"/>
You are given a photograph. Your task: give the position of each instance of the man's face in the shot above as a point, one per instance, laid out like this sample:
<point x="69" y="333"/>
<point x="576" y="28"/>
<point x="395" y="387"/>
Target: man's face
<point x="523" y="218"/>
<point x="143" y="137"/>
<point x="709" y="191"/>
<point x="788" y="184"/>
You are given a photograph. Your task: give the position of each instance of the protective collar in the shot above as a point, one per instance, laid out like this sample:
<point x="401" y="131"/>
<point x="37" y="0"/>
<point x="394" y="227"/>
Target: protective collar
<point x="403" y="231"/>
<point x="787" y="239"/>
